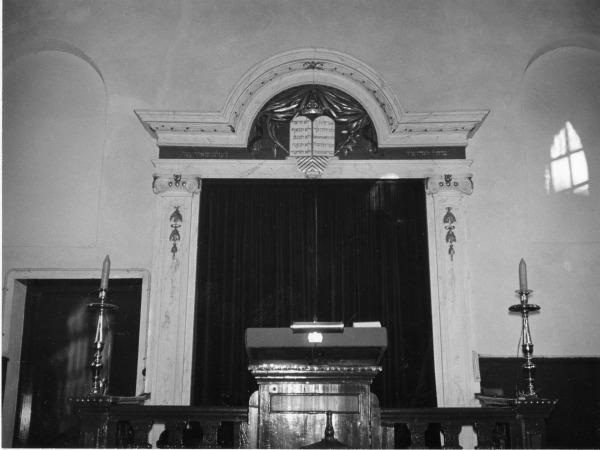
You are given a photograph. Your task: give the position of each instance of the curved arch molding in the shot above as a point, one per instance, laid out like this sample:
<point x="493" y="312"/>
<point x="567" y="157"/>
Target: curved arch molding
<point x="230" y="128"/>
<point x="58" y="46"/>
<point x="581" y="42"/>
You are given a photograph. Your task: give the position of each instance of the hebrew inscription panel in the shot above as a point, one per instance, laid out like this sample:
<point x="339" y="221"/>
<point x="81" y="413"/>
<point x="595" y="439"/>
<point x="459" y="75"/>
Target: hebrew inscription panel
<point x="312" y="138"/>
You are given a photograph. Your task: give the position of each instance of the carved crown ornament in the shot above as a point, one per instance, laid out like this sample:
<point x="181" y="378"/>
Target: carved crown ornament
<point x="231" y="126"/>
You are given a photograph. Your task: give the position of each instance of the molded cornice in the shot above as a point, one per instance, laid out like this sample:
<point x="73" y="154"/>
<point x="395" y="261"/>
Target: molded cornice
<point x="231" y="127"/>
<point x="197" y="169"/>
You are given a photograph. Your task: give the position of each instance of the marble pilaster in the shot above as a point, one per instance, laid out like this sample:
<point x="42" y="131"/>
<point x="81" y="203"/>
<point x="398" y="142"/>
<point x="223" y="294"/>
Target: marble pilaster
<point x="451" y="309"/>
<point x="170" y="349"/>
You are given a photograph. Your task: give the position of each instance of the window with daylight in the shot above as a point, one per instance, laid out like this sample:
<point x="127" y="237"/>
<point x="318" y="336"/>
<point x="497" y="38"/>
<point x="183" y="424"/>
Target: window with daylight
<point x="568" y="170"/>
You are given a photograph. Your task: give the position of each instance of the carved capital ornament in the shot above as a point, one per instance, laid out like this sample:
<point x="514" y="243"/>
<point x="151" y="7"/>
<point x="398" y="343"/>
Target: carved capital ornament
<point x="448" y="184"/>
<point x="462" y="184"/>
<point x="176" y="183"/>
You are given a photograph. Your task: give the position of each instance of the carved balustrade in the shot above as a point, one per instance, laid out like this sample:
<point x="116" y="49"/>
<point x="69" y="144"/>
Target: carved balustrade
<point x="109" y="425"/>
<point x="521" y="425"/>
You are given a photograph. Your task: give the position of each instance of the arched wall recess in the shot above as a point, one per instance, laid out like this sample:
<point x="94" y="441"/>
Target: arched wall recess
<point x="559" y="100"/>
<point x="52" y="92"/>
<point x="53" y="45"/>
<point x="223" y="137"/>
<point x="581" y="42"/>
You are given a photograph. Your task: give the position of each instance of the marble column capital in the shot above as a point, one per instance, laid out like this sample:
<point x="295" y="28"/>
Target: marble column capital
<point x="176" y="184"/>
<point x="450" y="184"/>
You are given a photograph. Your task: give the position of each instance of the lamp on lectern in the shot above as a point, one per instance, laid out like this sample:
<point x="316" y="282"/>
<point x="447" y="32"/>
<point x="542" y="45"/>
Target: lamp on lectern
<point x="316" y="329"/>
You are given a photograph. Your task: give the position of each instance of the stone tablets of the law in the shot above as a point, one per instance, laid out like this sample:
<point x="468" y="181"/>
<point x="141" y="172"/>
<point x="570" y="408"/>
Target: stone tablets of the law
<point x="323" y="136"/>
<point x="300" y="136"/>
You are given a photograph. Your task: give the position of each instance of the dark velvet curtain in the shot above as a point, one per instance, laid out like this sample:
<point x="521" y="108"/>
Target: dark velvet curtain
<point x="273" y="252"/>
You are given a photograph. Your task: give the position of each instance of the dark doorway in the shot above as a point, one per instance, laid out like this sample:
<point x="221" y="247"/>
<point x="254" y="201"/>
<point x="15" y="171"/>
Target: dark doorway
<point x="273" y="252"/>
<point x="575" y="382"/>
<point x="56" y="352"/>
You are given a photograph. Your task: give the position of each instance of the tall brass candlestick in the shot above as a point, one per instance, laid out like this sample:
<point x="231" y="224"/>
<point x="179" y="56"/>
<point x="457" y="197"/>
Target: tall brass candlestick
<point x="526" y="343"/>
<point x="103" y="309"/>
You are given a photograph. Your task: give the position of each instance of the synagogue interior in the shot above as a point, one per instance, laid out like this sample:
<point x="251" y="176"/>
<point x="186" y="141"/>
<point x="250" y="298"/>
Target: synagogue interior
<point x="301" y="224"/>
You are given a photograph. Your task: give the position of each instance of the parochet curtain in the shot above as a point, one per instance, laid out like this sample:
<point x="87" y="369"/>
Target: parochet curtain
<point x="273" y="252"/>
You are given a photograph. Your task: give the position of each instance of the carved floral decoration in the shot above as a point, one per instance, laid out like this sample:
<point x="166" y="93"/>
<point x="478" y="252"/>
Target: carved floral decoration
<point x="313" y="65"/>
<point x="449" y="220"/>
<point x="448" y="184"/>
<point x="175" y="219"/>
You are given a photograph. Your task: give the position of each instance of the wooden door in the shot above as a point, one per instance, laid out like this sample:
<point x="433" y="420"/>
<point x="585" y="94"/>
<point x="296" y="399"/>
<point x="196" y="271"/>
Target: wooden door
<point x="56" y="351"/>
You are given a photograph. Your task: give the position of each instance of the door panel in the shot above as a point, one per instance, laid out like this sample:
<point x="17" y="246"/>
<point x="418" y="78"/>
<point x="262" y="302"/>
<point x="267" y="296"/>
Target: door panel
<point x="56" y="351"/>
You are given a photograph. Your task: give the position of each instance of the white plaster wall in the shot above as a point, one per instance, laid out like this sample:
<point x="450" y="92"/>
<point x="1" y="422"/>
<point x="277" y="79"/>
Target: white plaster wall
<point x="50" y="98"/>
<point x="187" y="55"/>
<point x="558" y="233"/>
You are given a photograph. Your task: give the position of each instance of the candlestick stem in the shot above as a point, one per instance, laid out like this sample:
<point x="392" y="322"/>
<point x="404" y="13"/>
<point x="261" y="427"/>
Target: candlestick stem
<point x="99" y="360"/>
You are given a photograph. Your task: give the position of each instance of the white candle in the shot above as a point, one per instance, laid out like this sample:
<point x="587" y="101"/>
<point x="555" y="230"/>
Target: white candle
<point x="522" y="275"/>
<point x="105" y="273"/>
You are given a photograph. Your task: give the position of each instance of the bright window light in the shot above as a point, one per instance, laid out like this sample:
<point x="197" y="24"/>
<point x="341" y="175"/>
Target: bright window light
<point x="561" y="174"/>
<point x="568" y="171"/>
<point x="573" y="138"/>
<point x="559" y="146"/>
<point x="579" y="168"/>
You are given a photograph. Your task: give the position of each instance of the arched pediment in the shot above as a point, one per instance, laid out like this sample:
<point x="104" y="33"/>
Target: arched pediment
<point x="231" y="126"/>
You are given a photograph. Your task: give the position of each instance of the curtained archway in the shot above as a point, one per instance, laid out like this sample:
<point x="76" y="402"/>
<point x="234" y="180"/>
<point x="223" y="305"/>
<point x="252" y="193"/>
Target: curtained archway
<point x="273" y="252"/>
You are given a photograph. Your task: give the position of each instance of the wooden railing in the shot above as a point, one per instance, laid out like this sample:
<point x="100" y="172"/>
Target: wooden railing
<point x="104" y="424"/>
<point x="519" y="426"/>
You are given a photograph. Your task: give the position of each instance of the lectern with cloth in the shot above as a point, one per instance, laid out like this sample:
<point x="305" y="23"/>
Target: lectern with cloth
<point x="314" y="385"/>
